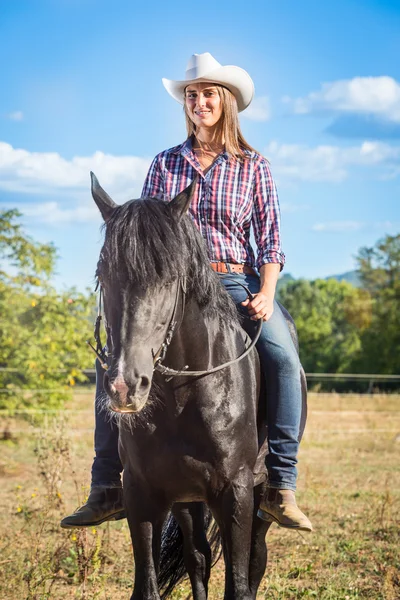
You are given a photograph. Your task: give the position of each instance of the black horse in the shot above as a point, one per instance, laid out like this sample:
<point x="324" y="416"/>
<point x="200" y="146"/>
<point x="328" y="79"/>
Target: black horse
<point x="186" y="443"/>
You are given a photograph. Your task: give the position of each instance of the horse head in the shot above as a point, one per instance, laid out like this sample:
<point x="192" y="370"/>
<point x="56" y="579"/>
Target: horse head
<point x="143" y="260"/>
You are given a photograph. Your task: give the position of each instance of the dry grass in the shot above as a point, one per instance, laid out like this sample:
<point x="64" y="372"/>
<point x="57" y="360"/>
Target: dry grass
<point x="349" y="484"/>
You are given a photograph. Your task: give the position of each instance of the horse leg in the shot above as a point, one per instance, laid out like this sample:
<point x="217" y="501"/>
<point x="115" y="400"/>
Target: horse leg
<point x="233" y="511"/>
<point x="196" y="549"/>
<point x="145" y="518"/>
<point x="258" y="553"/>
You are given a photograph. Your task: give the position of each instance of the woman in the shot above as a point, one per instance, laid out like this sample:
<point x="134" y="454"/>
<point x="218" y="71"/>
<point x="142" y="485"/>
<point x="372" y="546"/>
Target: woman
<point x="235" y="190"/>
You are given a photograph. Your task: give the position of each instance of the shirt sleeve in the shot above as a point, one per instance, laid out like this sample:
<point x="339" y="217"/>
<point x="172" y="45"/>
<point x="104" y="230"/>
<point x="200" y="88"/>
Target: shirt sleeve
<point x="154" y="183"/>
<point x="266" y="217"/>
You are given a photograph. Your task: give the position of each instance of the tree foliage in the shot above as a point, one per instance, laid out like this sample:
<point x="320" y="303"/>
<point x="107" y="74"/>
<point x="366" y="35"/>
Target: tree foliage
<point x="330" y="317"/>
<point x="379" y="270"/>
<point x="343" y="328"/>
<point x="43" y="331"/>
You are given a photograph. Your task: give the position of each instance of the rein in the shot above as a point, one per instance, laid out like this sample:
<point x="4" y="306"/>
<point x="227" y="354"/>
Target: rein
<point x="159" y="357"/>
<point x="170" y="373"/>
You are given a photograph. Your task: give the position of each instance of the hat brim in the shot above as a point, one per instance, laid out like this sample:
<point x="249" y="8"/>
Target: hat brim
<point x="237" y="80"/>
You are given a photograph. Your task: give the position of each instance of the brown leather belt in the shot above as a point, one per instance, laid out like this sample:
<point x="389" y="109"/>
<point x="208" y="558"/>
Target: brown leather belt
<point x="221" y="267"/>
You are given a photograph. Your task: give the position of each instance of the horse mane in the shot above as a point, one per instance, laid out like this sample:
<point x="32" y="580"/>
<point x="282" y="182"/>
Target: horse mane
<point x="146" y="245"/>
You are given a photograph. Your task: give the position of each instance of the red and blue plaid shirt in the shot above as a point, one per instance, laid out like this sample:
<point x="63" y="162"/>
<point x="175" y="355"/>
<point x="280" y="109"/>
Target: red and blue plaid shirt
<point x="229" y="198"/>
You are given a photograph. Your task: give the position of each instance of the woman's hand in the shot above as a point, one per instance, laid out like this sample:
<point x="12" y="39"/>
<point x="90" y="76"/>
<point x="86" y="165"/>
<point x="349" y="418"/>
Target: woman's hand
<point x="261" y="307"/>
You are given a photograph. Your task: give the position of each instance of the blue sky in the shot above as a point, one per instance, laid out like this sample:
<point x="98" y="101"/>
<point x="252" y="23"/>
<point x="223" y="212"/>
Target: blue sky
<point x="81" y="90"/>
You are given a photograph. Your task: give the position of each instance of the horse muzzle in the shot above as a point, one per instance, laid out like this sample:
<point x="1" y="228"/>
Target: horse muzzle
<point x="126" y="397"/>
<point x="129" y="408"/>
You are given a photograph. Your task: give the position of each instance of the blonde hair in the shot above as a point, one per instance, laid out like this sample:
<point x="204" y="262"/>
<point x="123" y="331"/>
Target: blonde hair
<point x="228" y="124"/>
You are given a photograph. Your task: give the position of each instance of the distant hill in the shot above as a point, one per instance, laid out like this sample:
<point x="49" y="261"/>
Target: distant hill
<point x="350" y="276"/>
<point x="285" y="278"/>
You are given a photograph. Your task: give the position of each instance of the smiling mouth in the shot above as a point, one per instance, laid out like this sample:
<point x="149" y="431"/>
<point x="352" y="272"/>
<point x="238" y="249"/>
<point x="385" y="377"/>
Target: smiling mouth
<point x="202" y="113"/>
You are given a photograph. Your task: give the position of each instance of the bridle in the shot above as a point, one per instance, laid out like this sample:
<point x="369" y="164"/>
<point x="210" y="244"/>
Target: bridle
<point x="159" y="356"/>
<point x="99" y="351"/>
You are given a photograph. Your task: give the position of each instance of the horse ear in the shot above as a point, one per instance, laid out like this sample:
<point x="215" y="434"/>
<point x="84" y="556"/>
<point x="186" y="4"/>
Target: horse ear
<point x="180" y="204"/>
<point x="104" y="203"/>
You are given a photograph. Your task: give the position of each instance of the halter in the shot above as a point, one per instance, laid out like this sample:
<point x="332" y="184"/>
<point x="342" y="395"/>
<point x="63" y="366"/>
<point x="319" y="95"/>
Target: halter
<point x="159" y="357"/>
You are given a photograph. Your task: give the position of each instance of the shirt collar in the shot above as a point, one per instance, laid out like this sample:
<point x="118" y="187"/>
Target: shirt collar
<point x="186" y="148"/>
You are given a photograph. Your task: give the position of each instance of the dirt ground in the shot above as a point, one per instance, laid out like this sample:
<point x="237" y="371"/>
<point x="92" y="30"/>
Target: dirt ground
<point x="349" y="485"/>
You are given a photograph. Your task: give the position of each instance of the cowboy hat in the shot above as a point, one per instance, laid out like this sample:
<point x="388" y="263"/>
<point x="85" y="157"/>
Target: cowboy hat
<point x="204" y="68"/>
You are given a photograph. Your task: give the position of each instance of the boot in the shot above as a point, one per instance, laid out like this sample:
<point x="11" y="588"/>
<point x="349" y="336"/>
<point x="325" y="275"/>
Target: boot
<point x="280" y="506"/>
<point x="103" y="504"/>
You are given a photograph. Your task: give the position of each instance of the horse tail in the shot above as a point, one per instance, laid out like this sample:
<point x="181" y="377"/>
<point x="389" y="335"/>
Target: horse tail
<point x="172" y="566"/>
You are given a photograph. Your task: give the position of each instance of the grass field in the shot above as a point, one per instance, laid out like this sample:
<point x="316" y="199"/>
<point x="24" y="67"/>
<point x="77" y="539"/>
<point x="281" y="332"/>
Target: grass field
<point x="349" y="485"/>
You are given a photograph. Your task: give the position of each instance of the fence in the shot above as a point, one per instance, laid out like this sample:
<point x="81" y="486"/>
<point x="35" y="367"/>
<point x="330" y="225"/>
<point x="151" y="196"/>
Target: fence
<point x="327" y="382"/>
<point x="356" y="382"/>
<point x="369" y="382"/>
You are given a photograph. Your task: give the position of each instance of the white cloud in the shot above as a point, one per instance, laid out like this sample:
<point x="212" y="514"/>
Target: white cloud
<point x="17" y="115"/>
<point x="51" y="213"/>
<point x="66" y="183"/>
<point x="48" y="172"/>
<point x="378" y="96"/>
<point x="258" y="110"/>
<point x="353" y="226"/>
<point x="388" y="226"/>
<point x="294" y="162"/>
<point x="339" y="226"/>
<point x="123" y="176"/>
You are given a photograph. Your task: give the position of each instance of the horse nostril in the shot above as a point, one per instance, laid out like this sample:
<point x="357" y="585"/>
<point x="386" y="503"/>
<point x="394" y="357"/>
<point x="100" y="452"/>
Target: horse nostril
<point x="120" y="386"/>
<point x="144" y="383"/>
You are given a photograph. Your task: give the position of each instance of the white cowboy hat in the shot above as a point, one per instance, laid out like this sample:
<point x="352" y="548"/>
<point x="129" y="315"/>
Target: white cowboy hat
<point x="203" y="68"/>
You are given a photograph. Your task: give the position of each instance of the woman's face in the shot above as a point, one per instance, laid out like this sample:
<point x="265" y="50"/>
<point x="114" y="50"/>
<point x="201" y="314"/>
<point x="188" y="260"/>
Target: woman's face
<point x="203" y="104"/>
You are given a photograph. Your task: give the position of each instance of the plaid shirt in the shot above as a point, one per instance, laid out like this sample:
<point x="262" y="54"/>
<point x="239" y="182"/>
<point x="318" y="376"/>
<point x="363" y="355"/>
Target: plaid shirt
<point x="228" y="199"/>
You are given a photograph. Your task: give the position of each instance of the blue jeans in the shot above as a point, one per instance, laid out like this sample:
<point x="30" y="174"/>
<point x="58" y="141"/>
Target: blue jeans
<point x="281" y="367"/>
<point x="107" y="467"/>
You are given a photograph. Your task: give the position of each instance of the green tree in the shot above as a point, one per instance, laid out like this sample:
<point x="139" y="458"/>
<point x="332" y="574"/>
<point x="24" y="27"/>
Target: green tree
<point x="330" y="317"/>
<point x="379" y="270"/>
<point x="43" y="332"/>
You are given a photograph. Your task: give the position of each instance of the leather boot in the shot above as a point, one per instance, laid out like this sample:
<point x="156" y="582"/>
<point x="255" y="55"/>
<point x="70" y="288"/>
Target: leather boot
<point x="103" y="504"/>
<point x="280" y="506"/>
